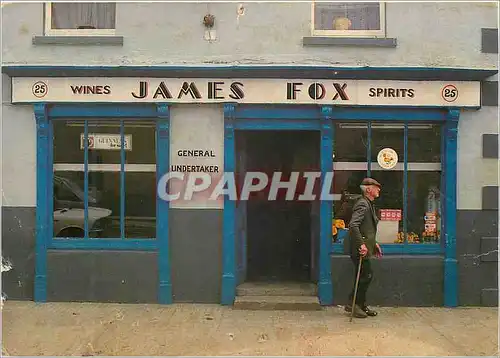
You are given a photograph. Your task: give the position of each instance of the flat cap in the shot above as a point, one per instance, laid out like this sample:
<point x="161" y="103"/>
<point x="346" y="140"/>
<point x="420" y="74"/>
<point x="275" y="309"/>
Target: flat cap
<point x="370" y="181"/>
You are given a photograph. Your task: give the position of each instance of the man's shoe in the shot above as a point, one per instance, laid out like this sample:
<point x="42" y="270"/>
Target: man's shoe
<point x="358" y="311"/>
<point x="369" y="311"/>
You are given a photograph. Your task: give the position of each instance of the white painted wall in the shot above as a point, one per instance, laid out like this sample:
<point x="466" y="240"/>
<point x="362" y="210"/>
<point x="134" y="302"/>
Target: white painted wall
<point x="428" y="33"/>
<point x="18" y="156"/>
<point x="197" y="127"/>
<point x="474" y="172"/>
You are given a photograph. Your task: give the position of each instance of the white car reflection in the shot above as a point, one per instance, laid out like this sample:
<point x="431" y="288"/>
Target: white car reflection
<point x="69" y="214"/>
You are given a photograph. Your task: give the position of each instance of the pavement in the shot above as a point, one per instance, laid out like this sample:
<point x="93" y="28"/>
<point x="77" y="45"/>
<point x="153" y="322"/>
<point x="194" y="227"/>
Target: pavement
<point x="187" y="329"/>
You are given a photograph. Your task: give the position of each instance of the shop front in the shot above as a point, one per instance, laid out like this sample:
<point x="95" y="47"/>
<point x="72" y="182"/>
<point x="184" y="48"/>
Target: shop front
<point x="145" y="166"/>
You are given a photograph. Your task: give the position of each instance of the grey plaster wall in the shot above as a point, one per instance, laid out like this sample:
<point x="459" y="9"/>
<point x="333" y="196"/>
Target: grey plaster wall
<point x="102" y="276"/>
<point x="196" y="254"/>
<point x="18" y="247"/>
<point x="427" y="33"/>
<point x="477" y="253"/>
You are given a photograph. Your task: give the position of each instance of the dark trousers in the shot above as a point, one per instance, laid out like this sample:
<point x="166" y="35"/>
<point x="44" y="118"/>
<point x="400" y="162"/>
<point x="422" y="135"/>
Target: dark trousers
<point x="365" y="277"/>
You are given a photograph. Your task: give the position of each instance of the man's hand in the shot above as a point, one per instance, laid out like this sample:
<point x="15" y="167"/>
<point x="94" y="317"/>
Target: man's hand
<point x="378" y="251"/>
<point x="363" y="250"/>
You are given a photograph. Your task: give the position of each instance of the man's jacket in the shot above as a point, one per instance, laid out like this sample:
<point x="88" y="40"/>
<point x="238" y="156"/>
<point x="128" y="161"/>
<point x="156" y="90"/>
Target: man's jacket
<point x="363" y="226"/>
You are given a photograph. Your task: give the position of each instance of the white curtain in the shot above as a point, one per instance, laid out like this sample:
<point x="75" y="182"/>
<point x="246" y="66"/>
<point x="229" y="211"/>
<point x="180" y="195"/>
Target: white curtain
<point x="363" y="16"/>
<point x="83" y="15"/>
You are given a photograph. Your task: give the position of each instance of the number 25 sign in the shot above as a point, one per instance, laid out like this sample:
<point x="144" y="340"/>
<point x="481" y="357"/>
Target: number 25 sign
<point x="449" y="93"/>
<point x="40" y="89"/>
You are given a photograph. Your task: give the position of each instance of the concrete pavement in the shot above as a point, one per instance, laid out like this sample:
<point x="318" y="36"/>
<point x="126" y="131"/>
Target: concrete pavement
<point x="186" y="329"/>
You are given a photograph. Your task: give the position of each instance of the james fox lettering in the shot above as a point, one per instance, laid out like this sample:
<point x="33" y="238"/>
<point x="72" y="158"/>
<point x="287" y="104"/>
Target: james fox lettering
<point x="214" y="90"/>
<point x="318" y="91"/>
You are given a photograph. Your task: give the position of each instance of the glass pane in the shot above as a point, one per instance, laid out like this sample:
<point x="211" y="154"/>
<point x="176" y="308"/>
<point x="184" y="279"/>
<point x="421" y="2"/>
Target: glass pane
<point x="424" y="143"/>
<point x="387" y="136"/>
<point x="351" y="142"/>
<point x="69" y="216"/>
<point x="389" y="205"/>
<point x="140" y="205"/>
<point x="67" y="144"/>
<point x="104" y="142"/>
<point x="345" y="183"/>
<point x="142" y="137"/>
<point x="424" y="207"/>
<point x="347" y="16"/>
<point x="104" y="179"/>
<point x="83" y="15"/>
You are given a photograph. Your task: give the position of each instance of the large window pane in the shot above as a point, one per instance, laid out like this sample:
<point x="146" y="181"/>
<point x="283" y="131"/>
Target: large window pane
<point x="387" y="136"/>
<point x="424" y="198"/>
<point x="67" y="142"/>
<point x="424" y="143"/>
<point x="351" y="142"/>
<point x="391" y="198"/>
<point x="104" y="180"/>
<point x="345" y="183"/>
<point x="69" y="199"/>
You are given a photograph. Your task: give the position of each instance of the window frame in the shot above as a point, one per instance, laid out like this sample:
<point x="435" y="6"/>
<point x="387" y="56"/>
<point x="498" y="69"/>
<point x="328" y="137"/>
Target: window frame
<point x="405" y="167"/>
<point x="49" y="31"/>
<point x="350" y="33"/>
<point x="121" y="168"/>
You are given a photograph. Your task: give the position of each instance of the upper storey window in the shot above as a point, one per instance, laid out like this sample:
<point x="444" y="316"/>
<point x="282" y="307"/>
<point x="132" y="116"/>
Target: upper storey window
<point x="80" y="18"/>
<point x="348" y="19"/>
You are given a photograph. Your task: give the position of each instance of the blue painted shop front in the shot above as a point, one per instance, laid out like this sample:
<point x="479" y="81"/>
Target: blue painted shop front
<point x="322" y="119"/>
<point x="241" y="118"/>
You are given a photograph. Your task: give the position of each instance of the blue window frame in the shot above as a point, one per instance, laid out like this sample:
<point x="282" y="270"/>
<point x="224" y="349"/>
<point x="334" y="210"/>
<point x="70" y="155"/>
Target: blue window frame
<point x="121" y="205"/>
<point x="47" y="116"/>
<point x="362" y="159"/>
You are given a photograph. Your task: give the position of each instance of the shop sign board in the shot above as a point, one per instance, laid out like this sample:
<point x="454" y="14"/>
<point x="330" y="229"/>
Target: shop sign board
<point x="245" y="91"/>
<point x="105" y="141"/>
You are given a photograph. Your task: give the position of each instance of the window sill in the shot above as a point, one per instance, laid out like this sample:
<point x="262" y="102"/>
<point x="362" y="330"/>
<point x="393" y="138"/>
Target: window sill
<point x="78" y="40"/>
<point x="349" y="41"/>
<point x="399" y="249"/>
<point x="103" y="244"/>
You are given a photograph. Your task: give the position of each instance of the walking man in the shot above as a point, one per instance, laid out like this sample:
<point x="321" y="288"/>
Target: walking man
<point x="362" y="232"/>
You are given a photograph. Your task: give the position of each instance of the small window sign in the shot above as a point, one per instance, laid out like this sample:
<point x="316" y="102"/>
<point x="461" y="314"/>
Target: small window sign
<point x="387" y="158"/>
<point x="106" y="141"/>
<point x="390" y="215"/>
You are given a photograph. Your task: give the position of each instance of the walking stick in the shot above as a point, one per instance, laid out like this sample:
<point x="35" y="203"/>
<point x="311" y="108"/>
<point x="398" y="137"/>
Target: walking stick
<point x="356" y="288"/>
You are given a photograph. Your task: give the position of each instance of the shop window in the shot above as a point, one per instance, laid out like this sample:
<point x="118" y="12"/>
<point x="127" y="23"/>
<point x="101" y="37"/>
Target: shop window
<point x="80" y="18"/>
<point x="348" y="19"/>
<point x="121" y="184"/>
<point x="415" y="190"/>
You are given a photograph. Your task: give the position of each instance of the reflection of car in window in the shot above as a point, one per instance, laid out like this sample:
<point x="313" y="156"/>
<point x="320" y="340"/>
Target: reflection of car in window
<point x="69" y="216"/>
